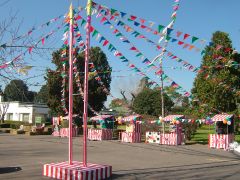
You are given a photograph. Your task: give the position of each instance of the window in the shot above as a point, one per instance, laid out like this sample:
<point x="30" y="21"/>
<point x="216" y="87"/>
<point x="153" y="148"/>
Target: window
<point x="9" y="116"/>
<point x="25" y="117"/>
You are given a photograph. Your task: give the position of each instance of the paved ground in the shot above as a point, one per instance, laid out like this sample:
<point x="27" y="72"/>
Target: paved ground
<point x="22" y="158"/>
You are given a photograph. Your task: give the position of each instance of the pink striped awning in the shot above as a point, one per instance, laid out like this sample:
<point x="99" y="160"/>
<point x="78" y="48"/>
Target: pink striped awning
<point x="132" y="117"/>
<point x="172" y="117"/>
<point x="221" y="117"/>
<point x="100" y="117"/>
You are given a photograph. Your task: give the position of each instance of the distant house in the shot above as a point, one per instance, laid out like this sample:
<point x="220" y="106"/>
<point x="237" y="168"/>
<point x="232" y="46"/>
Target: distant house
<point x="26" y="112"/>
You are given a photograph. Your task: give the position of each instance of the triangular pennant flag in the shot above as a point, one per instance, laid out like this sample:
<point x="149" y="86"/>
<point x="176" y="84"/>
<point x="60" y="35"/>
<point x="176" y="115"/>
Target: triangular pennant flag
<point x="160" y="28"/>
<point x="169" y="30"/>
<point x="83" y="22"/>
<point x="43" y="40"/>
<point x="136" y="23"/>
<point x="30" y="49"/>
<point x="174" y="40"/>
<point x="178" y="33"/>
<point x="105" y="42"/>
<point x="133" y="48"/>
<point x="180" y="42"/>
<point x="123" y="14"/>
<point x="194" y="39"/>
<point x="186" y="36"/>
<point x="95" y="32"/>
<point x="113" y="11"/>
<point x="133" y="17"/>
<point x="103" y="19"/>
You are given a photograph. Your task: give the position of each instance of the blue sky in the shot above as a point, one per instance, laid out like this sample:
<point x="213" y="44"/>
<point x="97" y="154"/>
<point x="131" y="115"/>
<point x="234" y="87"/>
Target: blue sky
<point x="197" y="17"/>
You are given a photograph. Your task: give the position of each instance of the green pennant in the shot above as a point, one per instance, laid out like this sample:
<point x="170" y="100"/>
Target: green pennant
<point x="83" y="22"/>
<point x="139" y="54"/>
<point x="129" y="20"/>
<point x="66" y="30"/>
<point x="160" y="28"/>
<point x="110" y="46"/>
<point x="95" y="32"/>
<point x="194" y="39"/>
<point x="150" y="65"/>
<point x="203" y="52"/>
<point x="168" y="38"/>
<point x="122" y="57"/>
<point x="118" y="34"/>
<point x="113" y="11"/>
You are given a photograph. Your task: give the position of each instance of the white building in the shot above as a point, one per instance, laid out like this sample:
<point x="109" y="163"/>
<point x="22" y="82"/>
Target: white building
<point x="27" y="112"/>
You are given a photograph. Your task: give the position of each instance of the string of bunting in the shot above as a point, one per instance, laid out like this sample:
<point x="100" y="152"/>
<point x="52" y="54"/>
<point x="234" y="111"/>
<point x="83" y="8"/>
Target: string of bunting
<point x="178" y="34"/>
<point x="30" y="49"/>
<point x="140" y="23"/>
<point x="103" y="41"/>
<point x="134" y="33"/>
<point x="30" y="32"/>
<point x="76" y="38"/>
<point x="139" y="55"/>
<point x="93" y="72"/>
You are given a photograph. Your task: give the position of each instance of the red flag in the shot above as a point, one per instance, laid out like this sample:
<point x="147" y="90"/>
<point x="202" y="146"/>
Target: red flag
<point x="105" y="42"/>
<point x="103" y="19"/>
<point x="43" y="40"/>
<point x="133" y="48"/>
<point x="186" y="36"/>
<point x="30" y="49"/>
<point x="180" y="42"/>
<point x="133" y="17"/>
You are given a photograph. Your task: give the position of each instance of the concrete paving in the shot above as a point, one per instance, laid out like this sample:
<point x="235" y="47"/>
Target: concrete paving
<point x="22" y="157"/>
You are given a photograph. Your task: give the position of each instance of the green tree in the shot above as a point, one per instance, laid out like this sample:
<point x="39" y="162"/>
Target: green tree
<point x="17" y="90"/>
<point x="217" y="86"/>
<point x="181" y="103"/>
<point x="149" y="102"/>
<point x="42" y="95"/>
<point x="97" y="93"/>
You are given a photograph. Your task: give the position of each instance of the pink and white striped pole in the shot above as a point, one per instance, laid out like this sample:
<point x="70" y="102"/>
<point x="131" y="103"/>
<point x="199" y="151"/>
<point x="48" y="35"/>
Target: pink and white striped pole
<point x="70" y="108"/>
<point x="85" y="111"/>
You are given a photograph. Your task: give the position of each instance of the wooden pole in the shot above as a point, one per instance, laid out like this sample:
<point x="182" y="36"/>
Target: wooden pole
<point x="85" y="111"/>
<point x="70" y="85"/>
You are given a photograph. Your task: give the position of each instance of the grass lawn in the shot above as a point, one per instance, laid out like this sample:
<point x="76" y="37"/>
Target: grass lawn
<point x="201" y="136"/>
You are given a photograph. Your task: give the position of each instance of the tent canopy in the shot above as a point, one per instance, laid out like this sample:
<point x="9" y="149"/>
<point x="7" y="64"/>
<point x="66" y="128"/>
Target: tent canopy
<point x="132" y="117"/>
<point x="172" y="117"/>
<point x="221" y="117"/>
<point x="101" y="117"/>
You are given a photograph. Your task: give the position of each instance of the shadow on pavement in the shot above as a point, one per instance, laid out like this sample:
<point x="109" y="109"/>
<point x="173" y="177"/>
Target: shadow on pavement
<point x="175" y="172"/>
<point x="4" y="170"/>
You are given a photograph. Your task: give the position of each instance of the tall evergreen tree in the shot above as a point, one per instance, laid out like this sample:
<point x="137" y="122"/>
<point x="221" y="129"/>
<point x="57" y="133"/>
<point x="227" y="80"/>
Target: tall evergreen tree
<point x="216" y="87"/>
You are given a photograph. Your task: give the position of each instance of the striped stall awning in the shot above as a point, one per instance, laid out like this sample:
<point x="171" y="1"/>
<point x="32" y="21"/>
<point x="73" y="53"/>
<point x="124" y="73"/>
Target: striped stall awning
<point x="221" y="117"/>
<point x="100" y="117"/>
<point x="172" y="117"/>
<point x="132" y="118"/>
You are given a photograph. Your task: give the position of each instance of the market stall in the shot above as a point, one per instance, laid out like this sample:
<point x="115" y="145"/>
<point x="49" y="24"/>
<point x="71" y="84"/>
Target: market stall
<point x="60" y="131"/>
<point x="175" y="135"/>
<point x="133" y="129"/>
<point x="105" y="130"/>
<point x="224" y="132"/>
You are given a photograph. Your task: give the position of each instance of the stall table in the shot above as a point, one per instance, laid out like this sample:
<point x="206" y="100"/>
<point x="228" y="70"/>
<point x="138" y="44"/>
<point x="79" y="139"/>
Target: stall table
<point x="63" y="132"/>
<point x="100" y="134"/>
<point x="133" y="129"/>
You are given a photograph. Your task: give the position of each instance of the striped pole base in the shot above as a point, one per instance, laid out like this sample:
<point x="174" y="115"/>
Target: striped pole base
<point x="76" y="171"/>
